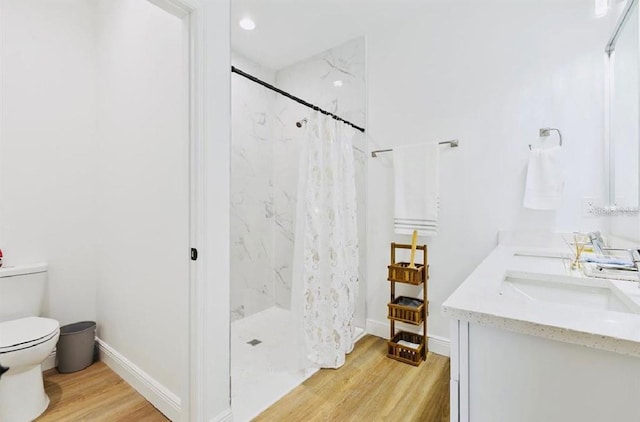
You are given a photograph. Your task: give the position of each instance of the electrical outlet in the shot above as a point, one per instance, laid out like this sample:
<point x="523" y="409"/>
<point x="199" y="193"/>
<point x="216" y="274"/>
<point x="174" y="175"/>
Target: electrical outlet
<point x="589" y="206"/>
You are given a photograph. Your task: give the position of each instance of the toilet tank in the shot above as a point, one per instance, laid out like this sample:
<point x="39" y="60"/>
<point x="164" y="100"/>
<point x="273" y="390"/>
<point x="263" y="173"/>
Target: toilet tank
<point x="22" y="291"/>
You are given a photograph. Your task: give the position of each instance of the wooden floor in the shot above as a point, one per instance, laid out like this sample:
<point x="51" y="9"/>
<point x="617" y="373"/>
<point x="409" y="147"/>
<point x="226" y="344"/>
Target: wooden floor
<point x="370" y="387"/>
<point x="95" y="394"/>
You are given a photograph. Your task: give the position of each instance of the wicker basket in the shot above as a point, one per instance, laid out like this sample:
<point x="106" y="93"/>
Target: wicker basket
<point x="400" y="272"/>
<point x="412" y="313"/>
<point x="406" y="354"/>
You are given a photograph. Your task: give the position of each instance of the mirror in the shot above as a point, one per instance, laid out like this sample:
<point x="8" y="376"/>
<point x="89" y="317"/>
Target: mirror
<point x="624" y="110"/>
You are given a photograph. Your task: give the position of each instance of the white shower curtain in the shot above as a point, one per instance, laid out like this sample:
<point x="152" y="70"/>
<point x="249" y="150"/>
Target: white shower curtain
<point x="326" y="259"/>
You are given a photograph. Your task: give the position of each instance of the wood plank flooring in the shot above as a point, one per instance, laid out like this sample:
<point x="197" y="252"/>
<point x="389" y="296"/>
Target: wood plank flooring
<point x="96" y="394"/>
<point x="369" y="387"/>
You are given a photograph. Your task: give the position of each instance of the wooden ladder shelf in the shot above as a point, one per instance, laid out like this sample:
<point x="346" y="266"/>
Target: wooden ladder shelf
<point x="405" y="346"/>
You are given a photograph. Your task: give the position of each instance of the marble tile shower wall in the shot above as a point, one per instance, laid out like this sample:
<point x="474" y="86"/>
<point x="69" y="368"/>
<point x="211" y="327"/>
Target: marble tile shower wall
<point x="252" y="210"/>
<point x="265" y="162"/>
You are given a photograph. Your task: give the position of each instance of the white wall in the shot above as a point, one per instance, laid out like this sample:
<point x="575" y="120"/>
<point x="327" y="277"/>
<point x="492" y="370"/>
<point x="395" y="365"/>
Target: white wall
<point x="490" y="74"/>
<point x="116" y="208"/>
<point x="143" y="266"/>
<point x="48" y="147"/>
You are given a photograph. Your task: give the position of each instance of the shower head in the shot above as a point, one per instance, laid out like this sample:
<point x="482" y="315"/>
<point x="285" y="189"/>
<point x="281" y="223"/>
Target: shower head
<point x="301" y="122"/>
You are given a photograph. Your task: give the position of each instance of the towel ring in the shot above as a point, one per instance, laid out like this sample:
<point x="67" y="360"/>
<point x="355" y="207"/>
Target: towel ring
<point x="544" y="132"/>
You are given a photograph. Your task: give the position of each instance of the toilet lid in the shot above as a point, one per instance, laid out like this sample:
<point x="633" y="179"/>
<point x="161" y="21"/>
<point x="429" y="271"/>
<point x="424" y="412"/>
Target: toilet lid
<point x="22" y="332"/>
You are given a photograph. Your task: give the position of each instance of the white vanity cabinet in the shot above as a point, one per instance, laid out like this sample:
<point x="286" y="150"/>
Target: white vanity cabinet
<point x="504" y="376"/>
<point x="534" y="341"/>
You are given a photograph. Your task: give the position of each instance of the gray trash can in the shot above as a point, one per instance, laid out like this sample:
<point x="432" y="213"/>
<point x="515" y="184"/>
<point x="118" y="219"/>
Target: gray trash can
<point x="75" y="346"/>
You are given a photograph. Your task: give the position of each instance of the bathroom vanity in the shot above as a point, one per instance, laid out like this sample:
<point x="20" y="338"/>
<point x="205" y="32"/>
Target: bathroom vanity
<point x="533" y="340"/>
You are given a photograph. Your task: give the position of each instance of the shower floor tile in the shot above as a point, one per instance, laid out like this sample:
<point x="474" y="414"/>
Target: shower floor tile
<point x="264" y="373"/>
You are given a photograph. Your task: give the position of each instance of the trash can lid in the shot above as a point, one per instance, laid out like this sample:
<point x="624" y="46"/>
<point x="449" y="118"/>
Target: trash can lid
<point x="77" y="327"/>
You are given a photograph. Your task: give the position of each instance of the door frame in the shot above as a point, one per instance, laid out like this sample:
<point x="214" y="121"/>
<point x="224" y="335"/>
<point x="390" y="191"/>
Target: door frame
<point x="206" y="395"/>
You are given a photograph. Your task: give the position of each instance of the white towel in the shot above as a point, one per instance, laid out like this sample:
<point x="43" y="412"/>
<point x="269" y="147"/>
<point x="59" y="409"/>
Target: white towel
<point x="408" y="344"/>
<point x="417" y="195"/>
<point x="545" y="183"/>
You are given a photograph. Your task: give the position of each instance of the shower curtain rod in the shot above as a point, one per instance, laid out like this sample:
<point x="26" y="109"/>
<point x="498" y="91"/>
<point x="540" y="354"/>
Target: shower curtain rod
<point x="293" y="97"/>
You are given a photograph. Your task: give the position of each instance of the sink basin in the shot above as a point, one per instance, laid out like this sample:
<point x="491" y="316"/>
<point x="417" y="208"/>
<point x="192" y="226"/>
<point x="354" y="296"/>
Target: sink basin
<point x="575" y="293"/>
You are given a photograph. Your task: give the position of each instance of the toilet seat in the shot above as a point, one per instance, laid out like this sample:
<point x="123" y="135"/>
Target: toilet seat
<point x="27" y="332"/>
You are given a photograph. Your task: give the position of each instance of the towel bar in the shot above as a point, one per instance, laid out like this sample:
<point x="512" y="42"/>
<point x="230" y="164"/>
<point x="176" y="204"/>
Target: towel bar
<point x="453" y="143"/>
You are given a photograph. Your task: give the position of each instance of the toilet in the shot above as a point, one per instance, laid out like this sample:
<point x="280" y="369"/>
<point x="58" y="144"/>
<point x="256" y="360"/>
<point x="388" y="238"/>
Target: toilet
<point x="26" y="340"/>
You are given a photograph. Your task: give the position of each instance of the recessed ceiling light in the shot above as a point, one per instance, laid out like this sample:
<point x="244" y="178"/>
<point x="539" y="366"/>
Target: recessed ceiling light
<point x="337" y="83"/>
<point x="247" y="24"/>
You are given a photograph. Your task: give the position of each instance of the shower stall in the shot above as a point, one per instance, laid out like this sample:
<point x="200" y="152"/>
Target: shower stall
<point x="267" y="157"/>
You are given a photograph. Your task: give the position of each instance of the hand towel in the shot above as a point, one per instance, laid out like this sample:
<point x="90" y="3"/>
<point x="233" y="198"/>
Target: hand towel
<point x="545" y="183"/>
<point x="417" y="195"/>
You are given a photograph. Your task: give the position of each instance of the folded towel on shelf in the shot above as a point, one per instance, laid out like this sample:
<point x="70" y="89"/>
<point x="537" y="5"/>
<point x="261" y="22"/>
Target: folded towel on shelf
<point x="545" y="183"/>
<point x="417" y="195"/>
<point x="408" y="344"/>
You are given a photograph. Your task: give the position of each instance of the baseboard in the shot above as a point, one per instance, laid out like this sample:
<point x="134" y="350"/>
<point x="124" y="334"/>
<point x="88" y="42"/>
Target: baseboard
<point x="438" y="345"/>
<point x="359" y="334"/>
<point x="158" y="395"/>
<point x="225" y="416"/>
<point x="376" y="328"/>
<point x="49" y="362"/>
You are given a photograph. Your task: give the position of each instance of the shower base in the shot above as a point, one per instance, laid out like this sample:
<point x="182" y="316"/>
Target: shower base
<point x="262" y="373"/>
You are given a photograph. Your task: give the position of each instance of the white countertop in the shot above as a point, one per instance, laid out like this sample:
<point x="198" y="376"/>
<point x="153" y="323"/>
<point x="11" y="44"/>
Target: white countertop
<point x="480" y="300"/>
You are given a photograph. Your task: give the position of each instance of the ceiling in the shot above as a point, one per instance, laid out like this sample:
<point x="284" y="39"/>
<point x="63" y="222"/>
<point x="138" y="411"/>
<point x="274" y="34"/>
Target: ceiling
<point x="288" y="31"/>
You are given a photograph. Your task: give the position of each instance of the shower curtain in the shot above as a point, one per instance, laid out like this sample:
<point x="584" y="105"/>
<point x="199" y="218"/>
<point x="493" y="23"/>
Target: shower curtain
<point x="326" y="257"/>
